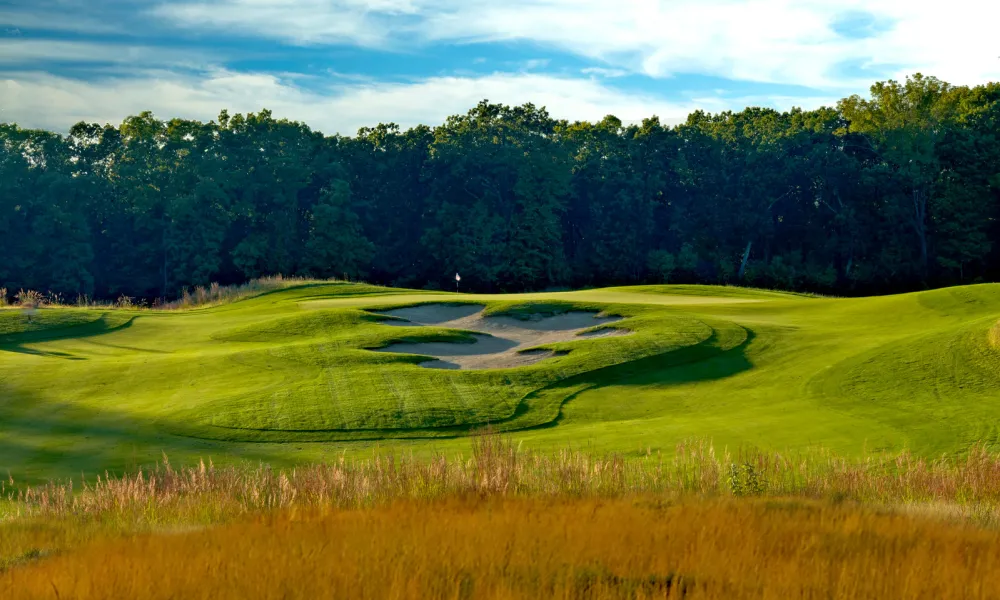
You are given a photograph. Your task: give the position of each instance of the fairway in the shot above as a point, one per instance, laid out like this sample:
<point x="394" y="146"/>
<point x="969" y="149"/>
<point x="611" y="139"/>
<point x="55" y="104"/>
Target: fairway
<point x="318" y="370"/>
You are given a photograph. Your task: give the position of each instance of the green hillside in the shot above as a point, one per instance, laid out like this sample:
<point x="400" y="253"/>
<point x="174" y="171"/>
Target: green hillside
<point x="316" y="370"/>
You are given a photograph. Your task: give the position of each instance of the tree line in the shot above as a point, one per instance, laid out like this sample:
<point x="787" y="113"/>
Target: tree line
<point x="896" y="191"/>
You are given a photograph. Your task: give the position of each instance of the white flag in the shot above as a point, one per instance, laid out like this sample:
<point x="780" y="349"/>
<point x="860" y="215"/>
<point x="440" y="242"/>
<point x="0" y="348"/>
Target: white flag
<point x="457" y="278"/>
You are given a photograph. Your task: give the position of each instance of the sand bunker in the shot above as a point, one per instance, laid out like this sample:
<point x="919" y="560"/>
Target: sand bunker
<point x="501" y="342"/>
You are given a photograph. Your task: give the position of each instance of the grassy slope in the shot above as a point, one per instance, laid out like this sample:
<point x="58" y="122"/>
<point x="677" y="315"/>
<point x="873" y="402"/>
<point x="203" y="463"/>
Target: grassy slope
<point x="284" y="377"/>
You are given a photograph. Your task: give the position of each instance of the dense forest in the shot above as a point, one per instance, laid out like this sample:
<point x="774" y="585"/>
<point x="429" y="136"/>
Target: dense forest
<point x="897" y="191"/>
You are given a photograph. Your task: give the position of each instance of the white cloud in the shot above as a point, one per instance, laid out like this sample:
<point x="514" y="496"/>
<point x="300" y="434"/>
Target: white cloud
<point x="36" y="99"/>
<point x="776" y="41"/>
<point x="57" y="18"/>
<point x="535" y="63"/>
<point x="28" y="52"/>
<point x="604" y="72"/>
<point x="300" y="21"/>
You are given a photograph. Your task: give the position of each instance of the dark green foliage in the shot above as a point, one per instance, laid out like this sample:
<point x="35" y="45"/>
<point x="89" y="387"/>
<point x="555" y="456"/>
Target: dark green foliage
<point x="893" y="192"/>
<point x="198" y="223"/>
<point x="336" y="244"/>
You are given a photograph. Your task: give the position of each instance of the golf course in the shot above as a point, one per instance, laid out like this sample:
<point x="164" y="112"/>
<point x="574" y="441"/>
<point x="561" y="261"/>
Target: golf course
<point x="440" y="300"/>
<point x="319" y="370"/>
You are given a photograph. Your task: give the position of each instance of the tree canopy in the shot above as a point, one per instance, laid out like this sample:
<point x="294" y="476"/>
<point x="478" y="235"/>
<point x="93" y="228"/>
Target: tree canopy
<point x="896" y="191"/>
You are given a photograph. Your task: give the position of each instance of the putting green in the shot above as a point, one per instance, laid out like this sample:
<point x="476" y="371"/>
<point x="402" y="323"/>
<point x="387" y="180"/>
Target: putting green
<point x="292" y="375"/>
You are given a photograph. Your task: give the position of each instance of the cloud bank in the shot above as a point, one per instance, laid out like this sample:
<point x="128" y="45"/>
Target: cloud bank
<point x="46" y="101"/>
<point x="803" y="42"/>
<point x="106" y="59"/>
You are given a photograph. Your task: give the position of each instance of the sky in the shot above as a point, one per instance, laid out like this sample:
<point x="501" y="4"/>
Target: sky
<point x="338" y="65"/>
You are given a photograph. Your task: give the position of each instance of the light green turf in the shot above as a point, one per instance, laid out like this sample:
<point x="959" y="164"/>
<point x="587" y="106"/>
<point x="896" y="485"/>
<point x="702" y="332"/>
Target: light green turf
<point x="286" y="376"/>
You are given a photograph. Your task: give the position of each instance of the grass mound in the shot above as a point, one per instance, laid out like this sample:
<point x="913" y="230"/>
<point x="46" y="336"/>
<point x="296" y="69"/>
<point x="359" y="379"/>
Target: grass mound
<point x="293" y="373"/>
<point x="17" y="325"/>
<point x="328" y="385"/>
<point x="713" y="291"/>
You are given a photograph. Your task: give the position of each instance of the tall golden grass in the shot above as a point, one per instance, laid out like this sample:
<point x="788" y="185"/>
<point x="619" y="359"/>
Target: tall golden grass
<point x="994" y="335"/>
<point x="560" y="547"/>
<point x="197" y="297"/>
<point x="508" y="523"/>
<point x="29" y="299"/>
<point x="215" y="294"/>
<point x="969" y="486"/>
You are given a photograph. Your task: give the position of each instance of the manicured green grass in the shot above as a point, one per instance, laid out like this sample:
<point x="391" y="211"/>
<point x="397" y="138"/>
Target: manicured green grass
<point x="288" y="376"/>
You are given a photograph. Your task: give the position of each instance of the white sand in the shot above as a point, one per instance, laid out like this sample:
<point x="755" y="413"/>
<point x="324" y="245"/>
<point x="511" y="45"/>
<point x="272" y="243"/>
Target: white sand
<point x="501" y="342"/>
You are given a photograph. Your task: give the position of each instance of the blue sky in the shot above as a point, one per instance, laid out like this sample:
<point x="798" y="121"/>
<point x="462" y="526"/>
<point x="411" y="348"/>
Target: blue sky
<point x="342" y="64"/>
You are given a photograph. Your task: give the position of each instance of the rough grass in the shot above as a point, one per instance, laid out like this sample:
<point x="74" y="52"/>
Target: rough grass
<point x="215" y="294"/>
<point x="510" y="523"/>
<point x="498" y="467"/>
<point x="285" y="376"/>
<point x="537" y="548"/>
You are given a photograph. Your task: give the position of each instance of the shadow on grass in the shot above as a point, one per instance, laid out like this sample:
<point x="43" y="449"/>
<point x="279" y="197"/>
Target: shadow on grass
<point x="705" y="361"/>
<point x="42" y="440"/>
<point x="18" y="343"/>
<point x="45" y="353"/>
<point x="129" y="348"/>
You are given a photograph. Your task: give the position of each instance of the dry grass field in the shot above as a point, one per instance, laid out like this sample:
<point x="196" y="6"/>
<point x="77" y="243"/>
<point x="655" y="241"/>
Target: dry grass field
<point x="564" y="547"/>
<point x="508" y="523"/>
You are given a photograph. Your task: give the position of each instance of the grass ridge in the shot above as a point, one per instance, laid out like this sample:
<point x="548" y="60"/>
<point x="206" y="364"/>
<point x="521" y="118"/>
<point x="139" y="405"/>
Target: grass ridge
<point x="285" y="375"/>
